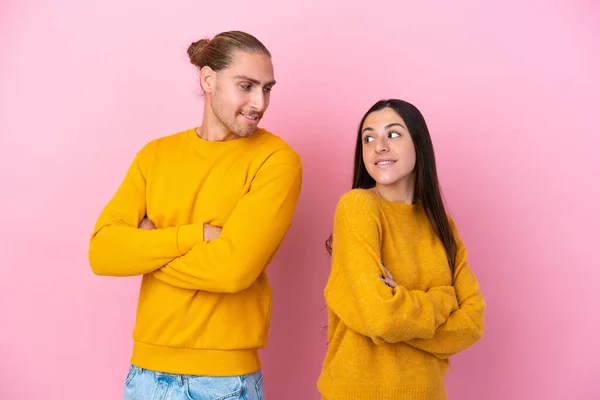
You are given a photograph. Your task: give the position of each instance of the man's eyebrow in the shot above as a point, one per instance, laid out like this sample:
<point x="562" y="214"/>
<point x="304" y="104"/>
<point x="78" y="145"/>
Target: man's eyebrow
<point x="255" y="81"/>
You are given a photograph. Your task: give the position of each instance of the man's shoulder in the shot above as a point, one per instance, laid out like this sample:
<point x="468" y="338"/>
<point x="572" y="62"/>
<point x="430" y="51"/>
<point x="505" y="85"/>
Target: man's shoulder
<point x="165" y="141"/>
<point x="170" y="139"/>
<point x="277" y="148"/>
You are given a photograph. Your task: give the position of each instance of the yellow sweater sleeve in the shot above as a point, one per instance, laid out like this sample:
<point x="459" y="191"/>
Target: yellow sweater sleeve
<point x="250" y="236"/>
<point x="118" y="248"/>
<point x="359" y="297"/>
<point x="464" y="327"/>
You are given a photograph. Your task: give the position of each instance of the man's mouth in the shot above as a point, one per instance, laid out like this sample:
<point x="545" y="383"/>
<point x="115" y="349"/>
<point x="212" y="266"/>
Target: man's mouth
<point x="251" y="117"/>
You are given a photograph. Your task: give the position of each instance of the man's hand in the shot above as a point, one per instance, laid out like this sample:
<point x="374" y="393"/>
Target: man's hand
<point x="211" y="232"/>
<point x="146" y="224"/>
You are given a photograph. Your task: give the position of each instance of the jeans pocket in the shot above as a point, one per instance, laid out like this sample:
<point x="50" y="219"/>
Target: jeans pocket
<point x="130" y="374"/>
<point x="260" y="390"/>
<point x="213" y="388"/>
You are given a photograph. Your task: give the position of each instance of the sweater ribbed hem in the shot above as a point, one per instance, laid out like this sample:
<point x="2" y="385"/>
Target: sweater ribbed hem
<point x="400" y="392"/>
<point x="195" y="361"/>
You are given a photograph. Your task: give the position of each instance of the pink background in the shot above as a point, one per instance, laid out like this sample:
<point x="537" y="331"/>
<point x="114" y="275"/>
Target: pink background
<point x="510" y="92"/>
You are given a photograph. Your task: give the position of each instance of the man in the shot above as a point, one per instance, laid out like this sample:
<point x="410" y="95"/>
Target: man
<point x="200" y="214"/>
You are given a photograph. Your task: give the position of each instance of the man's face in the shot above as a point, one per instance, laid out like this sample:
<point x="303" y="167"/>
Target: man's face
<point x="242" y="92"/>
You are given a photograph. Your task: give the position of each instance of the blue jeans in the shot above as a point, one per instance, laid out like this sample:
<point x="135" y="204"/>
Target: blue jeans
<point x="143" y="384"/>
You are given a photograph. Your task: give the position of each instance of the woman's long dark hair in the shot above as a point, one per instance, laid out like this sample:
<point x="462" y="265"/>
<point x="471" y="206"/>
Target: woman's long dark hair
<point x="427" y="188"/>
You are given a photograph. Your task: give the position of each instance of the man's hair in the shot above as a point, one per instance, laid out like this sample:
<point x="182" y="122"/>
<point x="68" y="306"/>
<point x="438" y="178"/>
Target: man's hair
<point x="217" y="52"/>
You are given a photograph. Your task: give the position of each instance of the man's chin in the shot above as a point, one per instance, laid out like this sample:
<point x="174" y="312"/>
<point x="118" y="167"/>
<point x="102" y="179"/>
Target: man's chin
<point x="246" y="133"/>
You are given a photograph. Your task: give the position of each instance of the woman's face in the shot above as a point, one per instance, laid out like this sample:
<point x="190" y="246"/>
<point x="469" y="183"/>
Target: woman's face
<point x="387" y="148"/>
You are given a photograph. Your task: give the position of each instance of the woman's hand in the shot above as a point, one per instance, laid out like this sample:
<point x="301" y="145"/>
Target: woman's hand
<point x="388" y="279"/>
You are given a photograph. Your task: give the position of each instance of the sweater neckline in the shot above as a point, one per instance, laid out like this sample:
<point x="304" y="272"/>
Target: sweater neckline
<point x="394" y="204"/>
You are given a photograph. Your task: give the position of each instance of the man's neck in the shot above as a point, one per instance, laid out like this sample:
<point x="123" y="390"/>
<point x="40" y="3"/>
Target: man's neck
<point x="214" y="135"/>
<point x="212" y="129"/>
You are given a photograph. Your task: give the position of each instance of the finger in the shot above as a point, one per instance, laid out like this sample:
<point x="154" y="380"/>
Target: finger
<point x="388" y="273"/>
<point x="390" y="282"/>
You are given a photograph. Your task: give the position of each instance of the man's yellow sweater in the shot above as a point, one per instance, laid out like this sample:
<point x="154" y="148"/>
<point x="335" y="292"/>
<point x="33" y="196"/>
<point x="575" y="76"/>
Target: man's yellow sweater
<point x="390" y="344"/>
<point x="204" y="307"/>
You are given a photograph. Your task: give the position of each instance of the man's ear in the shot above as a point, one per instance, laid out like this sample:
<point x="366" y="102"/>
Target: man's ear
<point x="208" y="78"/>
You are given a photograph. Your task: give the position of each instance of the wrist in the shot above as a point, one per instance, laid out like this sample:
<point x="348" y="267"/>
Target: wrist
<point x="188" y="236"/>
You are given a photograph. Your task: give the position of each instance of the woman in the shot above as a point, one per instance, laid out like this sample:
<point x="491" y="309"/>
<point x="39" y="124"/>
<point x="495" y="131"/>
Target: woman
<point x="401" y="296"/>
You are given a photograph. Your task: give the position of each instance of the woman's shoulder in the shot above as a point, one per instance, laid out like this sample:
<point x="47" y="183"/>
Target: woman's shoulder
<point x="358" y="198"/>
<point x="359" y="211"/>
<point x="358" y="203"/>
